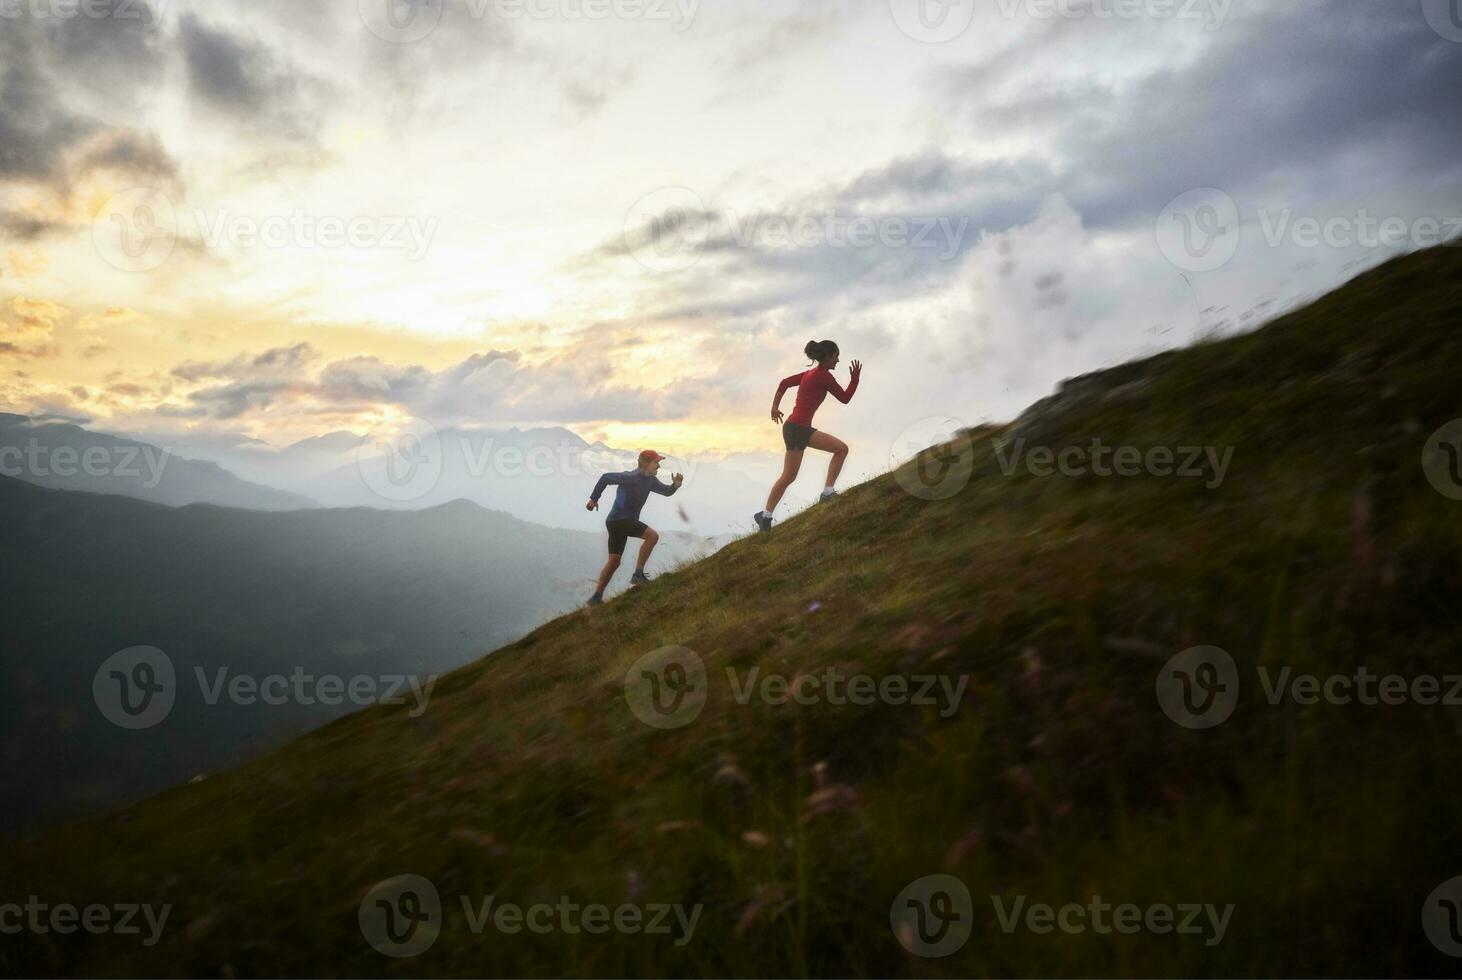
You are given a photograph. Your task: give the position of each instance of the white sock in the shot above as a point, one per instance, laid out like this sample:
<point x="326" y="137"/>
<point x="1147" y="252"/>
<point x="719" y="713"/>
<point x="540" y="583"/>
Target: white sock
<point x="829" y="488"/>
<point x="765" y="513"/>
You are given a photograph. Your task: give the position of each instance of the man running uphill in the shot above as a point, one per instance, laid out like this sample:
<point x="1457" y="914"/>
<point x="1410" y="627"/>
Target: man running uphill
<point x="623" y="522"/>
<point x="797" y="432"/>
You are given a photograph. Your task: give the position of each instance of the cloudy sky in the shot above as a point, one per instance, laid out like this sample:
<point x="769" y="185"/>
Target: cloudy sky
<point x="272" y="218"/>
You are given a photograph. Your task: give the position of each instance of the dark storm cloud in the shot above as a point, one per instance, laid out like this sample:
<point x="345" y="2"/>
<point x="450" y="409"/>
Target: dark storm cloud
<point x="48" y="134"/>
<point x="925" y="211"/>
<point x="492" y="383"/>
<point x="245" y="80"/>
<point x="117" y="48"/>
<point x="230" y="401"/>
<point x="275" y="361"/>
<point x="22" y="227"/>
<point x="1314" y="93"/>
<point x="35" y="127"/>
<point x="1314" y="97"/>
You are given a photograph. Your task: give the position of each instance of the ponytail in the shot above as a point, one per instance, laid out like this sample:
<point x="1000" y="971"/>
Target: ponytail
<point x="816" y="350"/>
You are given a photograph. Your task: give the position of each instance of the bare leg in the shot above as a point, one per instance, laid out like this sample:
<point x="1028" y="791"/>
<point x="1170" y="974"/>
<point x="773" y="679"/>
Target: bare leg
<point x="607" y="573"/>
<point x="651" y="537"/>
<point x="834" y="445"/>
<point x="790" y="466"/>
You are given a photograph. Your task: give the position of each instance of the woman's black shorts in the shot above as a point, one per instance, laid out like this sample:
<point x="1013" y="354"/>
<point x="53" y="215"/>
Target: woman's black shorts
<point x="620" y="531"/>
<point x="796" y="436"/>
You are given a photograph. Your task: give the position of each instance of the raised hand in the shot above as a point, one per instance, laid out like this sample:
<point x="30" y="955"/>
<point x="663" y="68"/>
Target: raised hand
<point x="592" y="505"/>
<point x="677" y="479"/>
<point x="856" y="368"/>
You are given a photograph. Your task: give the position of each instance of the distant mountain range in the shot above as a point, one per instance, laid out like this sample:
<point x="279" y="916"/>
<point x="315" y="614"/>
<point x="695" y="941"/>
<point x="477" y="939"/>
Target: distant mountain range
<point x="64" y="456"/>
<point x="542" y="475"/>
<point x="350" y="592"/>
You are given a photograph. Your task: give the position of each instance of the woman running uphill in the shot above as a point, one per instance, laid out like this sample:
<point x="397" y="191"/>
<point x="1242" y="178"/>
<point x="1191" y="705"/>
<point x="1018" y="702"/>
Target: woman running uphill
<point x="797" y="433"/>
<point x="623" y="522"/>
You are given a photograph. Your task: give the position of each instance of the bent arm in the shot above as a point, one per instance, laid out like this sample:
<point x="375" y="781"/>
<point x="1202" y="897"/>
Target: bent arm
<point x="665" y="489"/>
<point x="791" y="382"/>
<point x="837" y="390"/>
<point x="607" y="480"/>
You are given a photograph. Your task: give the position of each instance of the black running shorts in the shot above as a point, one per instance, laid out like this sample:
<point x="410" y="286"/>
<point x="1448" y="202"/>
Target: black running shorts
<point x="796" y="436"/>
<point x="620" y="531"/>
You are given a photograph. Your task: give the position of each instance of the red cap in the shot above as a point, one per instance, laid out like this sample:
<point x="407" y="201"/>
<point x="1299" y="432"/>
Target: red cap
<point x="650" y="456"/>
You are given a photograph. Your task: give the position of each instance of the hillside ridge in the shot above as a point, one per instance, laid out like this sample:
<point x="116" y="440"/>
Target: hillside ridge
<point x="1052" y="601"/>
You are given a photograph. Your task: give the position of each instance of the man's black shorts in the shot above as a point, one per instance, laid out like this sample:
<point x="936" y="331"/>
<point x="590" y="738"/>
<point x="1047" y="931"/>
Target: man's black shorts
<point x="796" y="436"/>
<point x="619" y="531"/>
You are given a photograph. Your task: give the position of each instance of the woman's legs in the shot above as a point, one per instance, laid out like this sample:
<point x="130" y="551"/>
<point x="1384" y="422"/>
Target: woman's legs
<point x="790" y="465"/>
<point x="831" y="444"/>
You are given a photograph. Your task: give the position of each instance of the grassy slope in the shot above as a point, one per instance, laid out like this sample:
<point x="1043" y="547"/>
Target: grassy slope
<point x="1059" y="778"/>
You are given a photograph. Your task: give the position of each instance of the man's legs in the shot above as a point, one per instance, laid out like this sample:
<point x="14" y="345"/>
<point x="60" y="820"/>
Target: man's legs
<point x="651" y="537"/>
<point x="607" y="573"/>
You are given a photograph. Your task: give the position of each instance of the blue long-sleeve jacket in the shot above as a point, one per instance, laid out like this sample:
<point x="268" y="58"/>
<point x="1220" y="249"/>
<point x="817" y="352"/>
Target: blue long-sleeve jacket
<point x="634" y="489"/>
